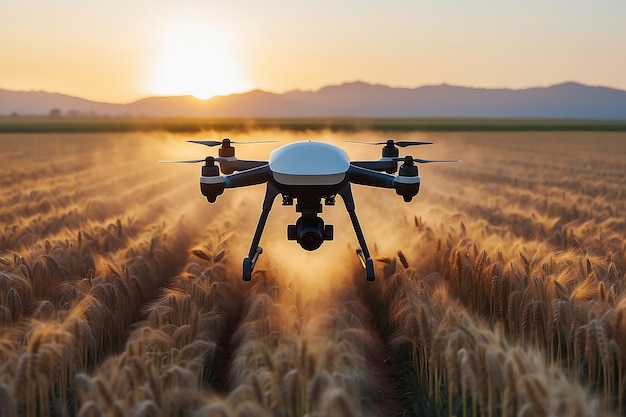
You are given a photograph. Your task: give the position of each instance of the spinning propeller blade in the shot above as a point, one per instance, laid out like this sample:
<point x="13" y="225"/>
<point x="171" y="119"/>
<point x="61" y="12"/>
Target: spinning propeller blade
<point x="206" y="142"/>
<point x="423" y="161"/>
<point x="404" y="144"/>
<point x="391" y="142"/>
<point x="221" y="142"/>
<point x="193" y="161"/>
<point x="183" y="161"/>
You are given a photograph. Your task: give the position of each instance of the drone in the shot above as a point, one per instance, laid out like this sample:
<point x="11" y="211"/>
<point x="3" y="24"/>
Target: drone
<point x="309" y="172"/>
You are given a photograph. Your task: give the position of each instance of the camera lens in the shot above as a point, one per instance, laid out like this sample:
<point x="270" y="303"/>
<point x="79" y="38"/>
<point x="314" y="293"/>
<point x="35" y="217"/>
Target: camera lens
<point x="311" y="238"/>
<point x="310" y="232"/>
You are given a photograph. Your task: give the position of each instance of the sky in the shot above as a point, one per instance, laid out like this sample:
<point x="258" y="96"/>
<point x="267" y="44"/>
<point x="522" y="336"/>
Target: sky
<point x="123" y="50"/>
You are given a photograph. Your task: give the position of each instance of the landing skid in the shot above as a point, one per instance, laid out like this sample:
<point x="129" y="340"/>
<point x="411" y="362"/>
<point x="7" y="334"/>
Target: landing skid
<point x="255" y="250"/>
<point x="369" y="270"/>
<point x="270" y="194"/>
<point x="368" y="264"/>
<point x="362" y="251"/>
<point x="248" y="264"/>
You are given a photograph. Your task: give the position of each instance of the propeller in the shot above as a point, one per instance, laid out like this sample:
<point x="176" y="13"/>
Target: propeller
<point x="226" y="142"/>
<point x="195" y="161"/>
<point x="409" y="159"/>
<point x="391" y="143"/>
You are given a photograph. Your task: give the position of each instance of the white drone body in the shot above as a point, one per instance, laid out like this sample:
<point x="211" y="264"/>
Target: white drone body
<point x="309" y="163"/>
<point x="309" y="172"/>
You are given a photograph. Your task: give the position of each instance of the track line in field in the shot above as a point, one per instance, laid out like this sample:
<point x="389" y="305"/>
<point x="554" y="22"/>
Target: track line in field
<point x="387" y="390"/>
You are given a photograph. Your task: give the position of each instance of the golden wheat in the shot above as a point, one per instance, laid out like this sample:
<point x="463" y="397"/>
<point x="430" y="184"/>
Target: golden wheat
<point x="499" y="292"/>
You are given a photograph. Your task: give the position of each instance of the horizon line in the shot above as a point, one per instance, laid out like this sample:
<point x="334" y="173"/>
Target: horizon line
<point x="314" y="90"/>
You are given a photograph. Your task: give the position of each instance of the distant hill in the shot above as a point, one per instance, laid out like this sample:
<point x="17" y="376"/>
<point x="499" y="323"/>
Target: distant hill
<point x="30" y="103"/>
<point x="357" y="99"/>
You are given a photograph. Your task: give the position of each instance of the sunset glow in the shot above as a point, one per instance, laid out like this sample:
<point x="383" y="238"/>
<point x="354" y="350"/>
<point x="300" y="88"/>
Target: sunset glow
<point x="196" y="58"/>
<point x="122" y="51"/>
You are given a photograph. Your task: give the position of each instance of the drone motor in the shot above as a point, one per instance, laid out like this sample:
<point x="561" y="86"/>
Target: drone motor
<point x="211" y="183"/>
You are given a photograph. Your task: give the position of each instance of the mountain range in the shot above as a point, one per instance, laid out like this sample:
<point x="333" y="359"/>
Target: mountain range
<point x="356" y="99"/>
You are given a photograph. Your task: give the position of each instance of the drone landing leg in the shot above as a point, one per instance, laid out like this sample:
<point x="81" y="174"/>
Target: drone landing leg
<point x="362" y="251"/>
<point x="250" y="260"/>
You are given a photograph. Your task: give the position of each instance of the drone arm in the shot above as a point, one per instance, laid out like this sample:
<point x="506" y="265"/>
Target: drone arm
<point x="364" y="176"/>
<point x="253" y="176"/>
<point x="389" y="166"/>
<point x="405" y="185"/>
<point x="234" y="165"/>
<point x="212" y="184"/>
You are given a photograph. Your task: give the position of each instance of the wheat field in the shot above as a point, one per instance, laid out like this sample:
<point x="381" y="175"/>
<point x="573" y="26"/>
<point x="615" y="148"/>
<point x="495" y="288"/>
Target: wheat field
<point x="500" y="289"/>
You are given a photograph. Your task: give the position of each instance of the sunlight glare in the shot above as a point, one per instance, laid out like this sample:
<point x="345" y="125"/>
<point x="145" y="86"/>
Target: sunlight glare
<point x="196" y="58"/>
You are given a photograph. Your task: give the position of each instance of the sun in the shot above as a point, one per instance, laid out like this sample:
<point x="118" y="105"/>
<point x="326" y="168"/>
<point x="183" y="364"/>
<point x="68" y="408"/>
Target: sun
<point x="196" y="58"/>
